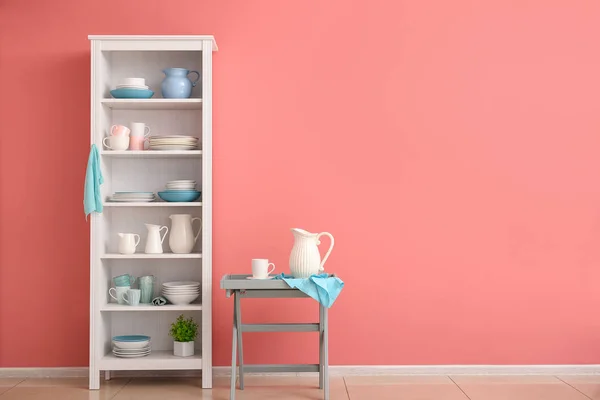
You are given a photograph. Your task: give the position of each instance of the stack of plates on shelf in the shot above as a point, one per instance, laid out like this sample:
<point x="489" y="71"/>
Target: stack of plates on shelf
<point x="132" y="88"/>
<point x="181" y="185"/>
<point x="131" y="346"/>
<point x="181" y="292"/>
<point x="132" y="197"/>
<point x="173" y="142"/>
<point x="180" y="191"/>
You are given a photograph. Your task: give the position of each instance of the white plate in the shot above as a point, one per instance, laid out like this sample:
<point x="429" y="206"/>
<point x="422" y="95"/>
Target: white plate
<point x="131" y="87"/>
<point x="131" y="355"/>
<point x="131" y="351"/>
<point x="173" y="137"/>
<point x="183" y="181"/>
<point x="132" y="200"/>
<point x="260" y="279"/>
<point x="177" y="284"/>
<point x="195" y="292"/>
<point x="173" y="148"/>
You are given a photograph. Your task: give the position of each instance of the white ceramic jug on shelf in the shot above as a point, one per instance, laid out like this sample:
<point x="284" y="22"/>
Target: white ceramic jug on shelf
<point x="182" y="238"/>
<point x="128" y="242"/>
<point x="305" y="259"/>
<point x="154" y="241"/>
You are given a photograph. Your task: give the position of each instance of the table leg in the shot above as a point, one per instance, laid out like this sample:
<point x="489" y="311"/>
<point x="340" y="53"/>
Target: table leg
<point x="325" y="355"/>
<point x="320" y="346"/>
<point x="233" y="349"/>
<point x="238" y="314"/>
<point x="107" y="375"/>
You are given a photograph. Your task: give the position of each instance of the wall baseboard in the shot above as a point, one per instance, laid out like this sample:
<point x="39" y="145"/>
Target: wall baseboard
<point x="335" y="370"/>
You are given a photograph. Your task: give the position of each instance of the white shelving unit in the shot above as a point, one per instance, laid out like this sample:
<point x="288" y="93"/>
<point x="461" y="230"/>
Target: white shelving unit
<point x="115" y="58"/>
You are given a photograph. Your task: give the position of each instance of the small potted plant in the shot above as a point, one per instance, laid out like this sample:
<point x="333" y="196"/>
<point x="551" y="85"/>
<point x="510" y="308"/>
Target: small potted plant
<point x="183" y="331"/>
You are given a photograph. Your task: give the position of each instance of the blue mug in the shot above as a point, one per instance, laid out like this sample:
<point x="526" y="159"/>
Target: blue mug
<point x="124" y="280"/>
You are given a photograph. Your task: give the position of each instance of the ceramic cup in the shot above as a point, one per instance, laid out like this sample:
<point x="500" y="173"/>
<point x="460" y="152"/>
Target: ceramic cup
<point x="146" y="285"/>
<point x="116" y="142"/>
<point x="124" y="280"/>
<point x="128" y="242"/>
<point x="134" y="81"/>
<point x="137" y="143"/>
<point x="119" y="291"/>
<point x="260" y="268"/>
<point x="119" y="130"/>
<point x="132" y="297"/>
<point x="140" y="129"/>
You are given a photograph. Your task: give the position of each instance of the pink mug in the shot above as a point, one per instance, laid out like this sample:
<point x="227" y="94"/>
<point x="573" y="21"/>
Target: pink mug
<point x="119" y="130"/>
<point x="137" y="142"/>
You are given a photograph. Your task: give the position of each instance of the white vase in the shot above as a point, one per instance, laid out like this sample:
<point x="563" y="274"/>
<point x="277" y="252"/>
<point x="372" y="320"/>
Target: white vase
<point x="183" y="349"/>
<point x="182" y="238"/>
<point x="305" y="259"/>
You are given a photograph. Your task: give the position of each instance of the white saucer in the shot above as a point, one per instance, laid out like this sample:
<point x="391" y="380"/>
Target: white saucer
<point x="260" y="279"/>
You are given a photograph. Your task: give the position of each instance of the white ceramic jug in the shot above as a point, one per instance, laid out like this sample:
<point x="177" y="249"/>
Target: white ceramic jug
<point x="128" y="242"/>
<point x="305" y="259"/>
<point x="154" y="241"/>
<point x="182" y="238"/>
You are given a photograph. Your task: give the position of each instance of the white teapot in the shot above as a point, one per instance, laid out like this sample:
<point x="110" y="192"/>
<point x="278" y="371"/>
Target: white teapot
<point x="305" y="259"/>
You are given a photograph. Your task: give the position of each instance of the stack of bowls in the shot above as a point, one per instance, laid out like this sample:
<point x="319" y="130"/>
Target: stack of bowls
<point x="181" y="292"/>
<point x="131" y="346"/>
<point x="132" y="88"/>
<point x="180" y="191"/>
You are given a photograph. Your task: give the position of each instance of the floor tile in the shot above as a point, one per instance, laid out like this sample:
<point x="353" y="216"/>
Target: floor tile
<point x="63" y="388"/>
<point x="502" y="379"/>
<point x="256" y="387"/>
<point x="406" y="390"/>
<point x="587" y="384"/>
<point x="516" y="388"/>
<point x="7" y="383"/>
<point x="396" y="380"/>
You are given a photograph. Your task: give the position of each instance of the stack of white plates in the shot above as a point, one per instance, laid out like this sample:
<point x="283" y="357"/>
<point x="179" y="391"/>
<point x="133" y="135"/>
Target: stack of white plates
<point x="173" y="142"/>
<point x="181" y="292"/>
<point x="132" y="83"/>
<point x="181" y="185"/>
<point x="132" y="197"/>
<point x="131" y="346"/>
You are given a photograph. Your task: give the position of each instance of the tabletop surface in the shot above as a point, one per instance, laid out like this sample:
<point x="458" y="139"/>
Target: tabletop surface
<point x="241" y="282"/>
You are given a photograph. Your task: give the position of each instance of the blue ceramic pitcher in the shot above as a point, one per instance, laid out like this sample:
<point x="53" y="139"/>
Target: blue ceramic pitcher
<point x="176" y="84"/>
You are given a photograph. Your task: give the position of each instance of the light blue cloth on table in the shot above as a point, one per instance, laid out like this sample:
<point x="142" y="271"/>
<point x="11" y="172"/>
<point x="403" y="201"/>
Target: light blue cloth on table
<point x="322" y="287"/>
<point x="92" y="199"/>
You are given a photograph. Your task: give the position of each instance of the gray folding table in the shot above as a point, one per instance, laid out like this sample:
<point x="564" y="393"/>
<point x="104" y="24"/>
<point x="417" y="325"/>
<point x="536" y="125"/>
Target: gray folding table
<point x="240" y="287"/>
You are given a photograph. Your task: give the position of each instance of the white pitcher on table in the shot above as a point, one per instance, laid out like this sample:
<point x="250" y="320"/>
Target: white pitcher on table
<point x="305" y="259"/>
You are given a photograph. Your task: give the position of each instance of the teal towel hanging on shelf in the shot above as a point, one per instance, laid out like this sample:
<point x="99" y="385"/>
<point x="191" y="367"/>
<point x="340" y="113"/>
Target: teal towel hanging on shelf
<point x="92" y="199"/>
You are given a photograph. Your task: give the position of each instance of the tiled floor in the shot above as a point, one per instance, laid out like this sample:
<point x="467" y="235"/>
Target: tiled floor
<point x="304" y="388"/>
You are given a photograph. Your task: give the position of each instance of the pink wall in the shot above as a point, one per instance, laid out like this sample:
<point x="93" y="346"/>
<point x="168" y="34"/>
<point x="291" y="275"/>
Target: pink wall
<point x="451" y="148"/>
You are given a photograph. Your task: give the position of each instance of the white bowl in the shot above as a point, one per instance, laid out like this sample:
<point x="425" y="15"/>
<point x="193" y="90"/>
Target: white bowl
<point x="130" y="345"/>
<point x="181" y="299"/>
<point x="133" y="82"/>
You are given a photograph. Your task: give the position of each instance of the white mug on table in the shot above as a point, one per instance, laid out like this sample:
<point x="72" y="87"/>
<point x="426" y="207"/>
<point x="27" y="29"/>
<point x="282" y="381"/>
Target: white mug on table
<point x="260" y="268"/>
<point x="140" y="129"/>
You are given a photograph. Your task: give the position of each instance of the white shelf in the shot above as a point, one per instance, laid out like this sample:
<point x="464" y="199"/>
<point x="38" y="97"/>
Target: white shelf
<point x="151" y="153"/>
<point x="153" y="104"/>
<point x="154" y="204"/>
<point x="144" y="256"/>
<point x="150" y="307"/>
<point x="156" y="360"/>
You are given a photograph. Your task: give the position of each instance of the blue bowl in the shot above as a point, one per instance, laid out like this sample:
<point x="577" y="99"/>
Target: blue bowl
<point x="178" y="196"/>
<point x="128" y="93"/>
<point x="131" y="338"/>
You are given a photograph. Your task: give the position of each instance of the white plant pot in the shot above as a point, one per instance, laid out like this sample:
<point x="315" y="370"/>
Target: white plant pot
<point x="183" y="349"/>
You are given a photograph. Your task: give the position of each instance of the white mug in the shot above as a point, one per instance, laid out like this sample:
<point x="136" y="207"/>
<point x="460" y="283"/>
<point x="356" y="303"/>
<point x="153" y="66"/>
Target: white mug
<point x="119" y="291"/>
<point x="132" y="297"/>
<point x="260" y="268"/>
<point x="128" y="242"/>
<point x="140" y="129"/>
<point x="116" y="142"/>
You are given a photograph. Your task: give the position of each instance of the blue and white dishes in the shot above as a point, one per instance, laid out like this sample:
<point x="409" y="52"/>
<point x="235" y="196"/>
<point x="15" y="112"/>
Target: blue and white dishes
<point x="131" y="346"/>
<point x="176" y="84"/>
<point x="180" y="196"/>
<point x="131" y="93"/>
